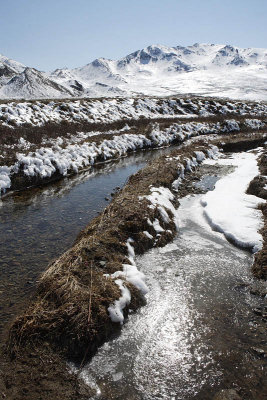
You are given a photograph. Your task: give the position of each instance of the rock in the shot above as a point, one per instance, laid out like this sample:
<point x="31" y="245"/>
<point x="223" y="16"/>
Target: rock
<point x="260" y="352"/>
<point x="227" y="394"/>
<point x="259" y="289"/>
<point x="102" y="263"/>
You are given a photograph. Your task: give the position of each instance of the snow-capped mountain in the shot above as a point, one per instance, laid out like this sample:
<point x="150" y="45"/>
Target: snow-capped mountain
<point x="8" y="69"/>
<point x="205" y="69"/>
<point x="31" y="83"/>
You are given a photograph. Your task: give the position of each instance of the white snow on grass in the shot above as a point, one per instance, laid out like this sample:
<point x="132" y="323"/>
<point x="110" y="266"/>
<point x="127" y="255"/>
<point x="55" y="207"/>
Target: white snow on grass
<point x="116" y="309"/>
<point x="15" y="114"/>
<point x="148" y="235"/>
<point x="230" y="210"/>
<point x="5" y="181"/>
<point x="161" y="198"/>
<point x="130" y="274"/>
<point x="67" y="157"/>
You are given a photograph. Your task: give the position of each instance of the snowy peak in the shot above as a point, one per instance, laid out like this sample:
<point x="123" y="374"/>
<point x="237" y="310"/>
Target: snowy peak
<point x="152" y="55"/>
<point x="8" y="69"/>
<point x="229" y="55"/>
<point x="102" y="63"/>
<point x="14" y="65"/>
<point x="197" y="56"/>
<point x="33" y="83"/>
<point x="204" y="69"/>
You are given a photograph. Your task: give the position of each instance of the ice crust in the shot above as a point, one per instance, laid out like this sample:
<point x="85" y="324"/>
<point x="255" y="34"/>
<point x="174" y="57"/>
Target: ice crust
<point x="230" y="210"/>
<point x="162" y="199"/>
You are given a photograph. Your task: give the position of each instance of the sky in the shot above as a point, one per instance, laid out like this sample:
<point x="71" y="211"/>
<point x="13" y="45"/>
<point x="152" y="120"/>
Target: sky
<point x="50" y="34"/>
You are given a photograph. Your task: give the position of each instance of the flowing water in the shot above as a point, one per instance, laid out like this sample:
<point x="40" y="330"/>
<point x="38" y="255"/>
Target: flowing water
<point x="197" y="332"/>
<point x="37" y="225"/>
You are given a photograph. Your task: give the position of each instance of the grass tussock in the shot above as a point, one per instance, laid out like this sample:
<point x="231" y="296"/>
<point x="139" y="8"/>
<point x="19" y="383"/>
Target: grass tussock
<point x="257" y="188"/>
<point x="36" y="134"/>
<point x="9" y="141"/>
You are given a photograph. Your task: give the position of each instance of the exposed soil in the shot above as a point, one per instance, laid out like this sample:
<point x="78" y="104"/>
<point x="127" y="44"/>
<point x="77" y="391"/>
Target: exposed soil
<point x="258" y="188"/>
<point x="68" y="318"/>
<point x="39" y="374"/>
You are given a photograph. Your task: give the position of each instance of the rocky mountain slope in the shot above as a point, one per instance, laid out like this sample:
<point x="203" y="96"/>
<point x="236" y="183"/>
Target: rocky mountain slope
<point x="205" y="69"/>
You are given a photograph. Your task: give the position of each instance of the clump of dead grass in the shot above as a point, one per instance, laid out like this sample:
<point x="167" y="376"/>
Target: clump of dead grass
<point x="257" y="188"/>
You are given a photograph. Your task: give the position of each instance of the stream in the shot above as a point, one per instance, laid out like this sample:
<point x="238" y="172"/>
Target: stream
<point x="39" y="224"/>
<point x="198" y="332"/>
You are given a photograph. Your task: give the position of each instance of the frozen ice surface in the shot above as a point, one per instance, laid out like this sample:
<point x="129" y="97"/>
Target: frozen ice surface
<point x="230" y="210"/>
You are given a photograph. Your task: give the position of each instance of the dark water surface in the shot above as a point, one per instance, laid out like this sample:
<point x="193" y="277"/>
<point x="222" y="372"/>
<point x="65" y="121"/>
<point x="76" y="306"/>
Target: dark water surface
<point x="38" y="225"/>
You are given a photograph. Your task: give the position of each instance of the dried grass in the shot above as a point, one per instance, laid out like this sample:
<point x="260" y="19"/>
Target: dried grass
<point x="257" y="188"/>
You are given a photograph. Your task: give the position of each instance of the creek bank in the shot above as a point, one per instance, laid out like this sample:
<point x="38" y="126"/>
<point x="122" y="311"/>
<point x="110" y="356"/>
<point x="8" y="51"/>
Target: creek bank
<point x="68" y="314"/>
<point x="25" y="164"/>
<point x="258" y="187"/>
<point x="195" y="334"/>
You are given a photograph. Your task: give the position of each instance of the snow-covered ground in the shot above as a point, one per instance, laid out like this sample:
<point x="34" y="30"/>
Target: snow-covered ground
<point x="229" y="209"/>
<point x="16" y="114"/>
<point x="75" y="153"/>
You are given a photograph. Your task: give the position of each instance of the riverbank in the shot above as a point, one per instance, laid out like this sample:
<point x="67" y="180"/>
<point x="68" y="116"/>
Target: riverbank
<point x="198" y="333"/>
<point x="71" y="313"/>
<point x="42" y="142"/>
<point x="258" y="187"/>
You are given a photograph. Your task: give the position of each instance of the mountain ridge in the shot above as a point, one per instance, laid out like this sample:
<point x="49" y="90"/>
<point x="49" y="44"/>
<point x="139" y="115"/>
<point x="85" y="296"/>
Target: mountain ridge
<point x="203" y="69"/>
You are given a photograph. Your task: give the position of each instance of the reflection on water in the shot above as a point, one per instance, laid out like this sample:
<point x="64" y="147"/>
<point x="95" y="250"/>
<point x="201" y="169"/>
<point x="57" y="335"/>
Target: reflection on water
<point x="194" y="335"/>
<point x="39" y="224"/>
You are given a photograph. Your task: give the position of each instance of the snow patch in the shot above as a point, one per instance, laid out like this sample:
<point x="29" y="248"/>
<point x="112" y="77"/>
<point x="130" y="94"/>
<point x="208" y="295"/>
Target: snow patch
<point x="116" y="309"/>
<point x="5" y="181"/>
<point x="131" y="274"/>
<point x="230" y="210"/>
<point x="148" y="235"/>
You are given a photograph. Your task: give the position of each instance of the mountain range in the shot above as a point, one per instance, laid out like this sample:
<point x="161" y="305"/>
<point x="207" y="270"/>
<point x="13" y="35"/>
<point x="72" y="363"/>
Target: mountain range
<point x="202" y="69"/>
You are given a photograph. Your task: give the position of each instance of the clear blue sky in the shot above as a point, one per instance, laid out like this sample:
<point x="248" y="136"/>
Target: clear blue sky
<point x="47" y="34"/>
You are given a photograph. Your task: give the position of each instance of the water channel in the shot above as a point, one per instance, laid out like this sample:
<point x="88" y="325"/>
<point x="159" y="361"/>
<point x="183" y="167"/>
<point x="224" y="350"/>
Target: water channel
<point x="39" y="224"/>
<point x="198" y="331"/>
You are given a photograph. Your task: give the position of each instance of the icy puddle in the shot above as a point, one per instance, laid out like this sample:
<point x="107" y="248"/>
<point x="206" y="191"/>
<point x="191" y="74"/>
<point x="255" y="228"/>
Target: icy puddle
<point x="197" y="332"/>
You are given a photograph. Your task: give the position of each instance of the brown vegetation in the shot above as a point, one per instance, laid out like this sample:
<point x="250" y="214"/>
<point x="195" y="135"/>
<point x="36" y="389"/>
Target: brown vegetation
<point x="50" y="131"/>
<point x="256" y="187"/>
<point x="35" y="134"/>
